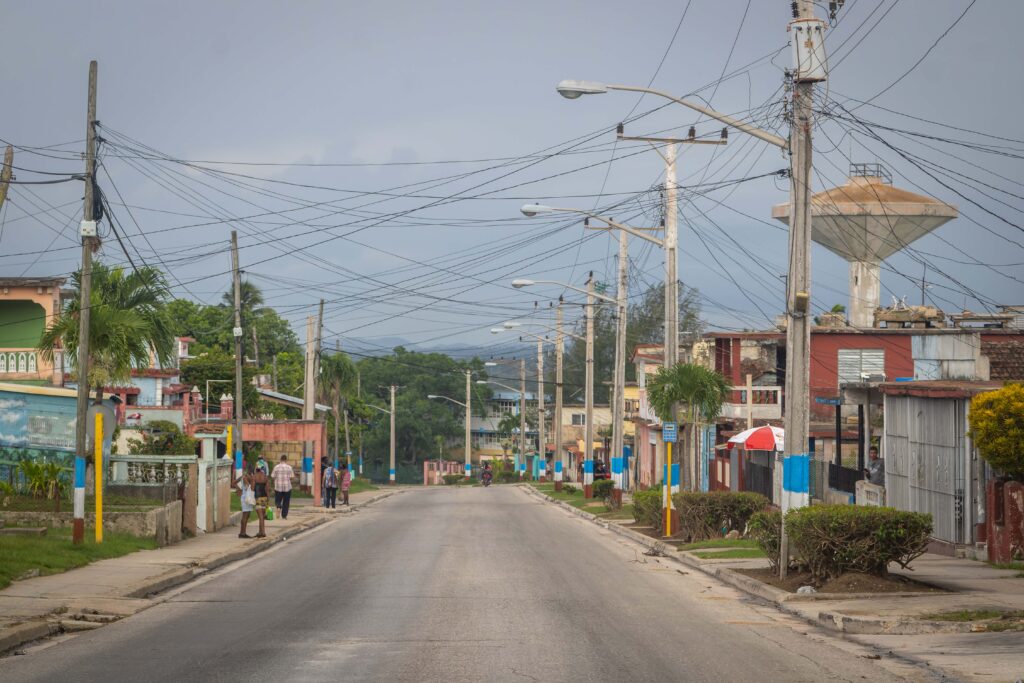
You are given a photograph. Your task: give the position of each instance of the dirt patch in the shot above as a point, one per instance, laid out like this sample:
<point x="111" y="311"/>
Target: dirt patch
<point x="851" y="582"/>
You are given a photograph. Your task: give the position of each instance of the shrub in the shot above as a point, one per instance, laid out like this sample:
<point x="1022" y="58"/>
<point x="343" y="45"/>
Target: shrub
<point x="997" y="428"/>
<point x="603" y="489"/>
<point x="765" y="528"/>
<point x="506" y="477"/>
<point x="647" y="507"/>
<point x="712" y="515"/>
<point x="453" y="478"/>
<point x="833" y="539"/>
<point x="162" y="437"/>
<point x="569" y="488"/>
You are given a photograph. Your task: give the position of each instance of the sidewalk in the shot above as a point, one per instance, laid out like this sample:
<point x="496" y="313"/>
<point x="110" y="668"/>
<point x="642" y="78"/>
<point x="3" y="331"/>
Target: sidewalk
<point x="889" y="622"/>
<point x="108" y="590"/>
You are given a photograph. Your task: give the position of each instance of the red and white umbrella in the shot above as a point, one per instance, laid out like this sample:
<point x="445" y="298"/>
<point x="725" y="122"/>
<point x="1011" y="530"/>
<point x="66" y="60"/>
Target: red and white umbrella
<point x="765" y="438"/>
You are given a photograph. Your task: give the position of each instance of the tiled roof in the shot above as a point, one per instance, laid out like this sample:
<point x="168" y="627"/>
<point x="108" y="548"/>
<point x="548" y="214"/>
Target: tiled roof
<point x="1006" y="358"/>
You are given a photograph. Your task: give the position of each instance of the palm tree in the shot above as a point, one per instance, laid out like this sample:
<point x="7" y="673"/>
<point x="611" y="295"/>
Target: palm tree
<point x="128" y="322"/>
<point x="701" y="392"/>
<point x="337" y="380"/>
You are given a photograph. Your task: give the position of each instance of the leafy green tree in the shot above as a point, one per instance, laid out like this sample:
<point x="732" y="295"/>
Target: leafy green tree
<point x="699" y="391"/>
<point x="418" y="419"/>
<point x="997" y="429"/>
<point x="218" y="365"/>
<point x="128" y="321"/>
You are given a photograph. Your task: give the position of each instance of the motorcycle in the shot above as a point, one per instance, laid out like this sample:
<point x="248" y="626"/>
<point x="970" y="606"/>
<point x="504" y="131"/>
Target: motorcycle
<point x="486" y="477"/>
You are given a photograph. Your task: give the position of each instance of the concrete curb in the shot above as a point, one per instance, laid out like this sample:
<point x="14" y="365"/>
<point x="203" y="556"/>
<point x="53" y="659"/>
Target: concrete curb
<point x="20" y="634"/>
<point x="833" y="621"/>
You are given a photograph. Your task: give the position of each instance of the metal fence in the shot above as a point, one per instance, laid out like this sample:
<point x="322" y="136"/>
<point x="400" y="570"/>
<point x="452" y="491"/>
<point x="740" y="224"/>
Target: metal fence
<point x="818" y="478"/>
<point x="843" y="478"/>
<point x="758" y="479"/>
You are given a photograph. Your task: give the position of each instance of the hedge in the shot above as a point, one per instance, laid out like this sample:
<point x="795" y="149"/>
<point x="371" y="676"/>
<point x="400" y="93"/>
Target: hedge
<point x="830" y="540"/>
<point x="647" y="507"/>
<point x="765" y="528"/>
<point x="603" y="488"/>
<point x="453" y="478"/>
<point x="714" y="514"/>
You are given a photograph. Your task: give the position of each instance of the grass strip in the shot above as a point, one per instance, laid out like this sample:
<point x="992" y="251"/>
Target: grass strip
<point x="54" y="553"/>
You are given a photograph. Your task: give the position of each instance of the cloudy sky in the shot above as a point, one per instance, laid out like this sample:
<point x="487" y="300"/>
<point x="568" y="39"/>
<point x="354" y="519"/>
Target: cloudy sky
<point x="376" y="154"/>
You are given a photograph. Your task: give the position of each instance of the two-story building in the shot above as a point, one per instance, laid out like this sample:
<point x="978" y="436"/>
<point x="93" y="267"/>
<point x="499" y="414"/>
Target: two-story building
<point x="27" y="306"/>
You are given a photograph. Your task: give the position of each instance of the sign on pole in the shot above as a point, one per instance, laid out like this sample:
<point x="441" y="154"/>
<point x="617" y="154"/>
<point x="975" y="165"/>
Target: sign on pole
<point x="669" y="432"/>
<point x="828" y="400"/>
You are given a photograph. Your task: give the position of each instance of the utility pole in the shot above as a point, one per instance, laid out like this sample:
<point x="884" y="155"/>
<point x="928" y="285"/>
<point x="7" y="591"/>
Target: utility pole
<point x="542" y="449"/>
<point x="5" y="174"/>
<point x="469" y="418"/>
<point x="90" y="242"/>
<point x="391" y="470"/>
<point x="359" y="395"/>
<point x="560" y="464"/>
<point x="236" y="281"/>
<point x="308" y="401"/>
<point x="619" y="394"/>
<point x="588" y="429"/>
<point x="806" y="33"/>
<point x="322" y="444"/>
<point x="522" y="417"/>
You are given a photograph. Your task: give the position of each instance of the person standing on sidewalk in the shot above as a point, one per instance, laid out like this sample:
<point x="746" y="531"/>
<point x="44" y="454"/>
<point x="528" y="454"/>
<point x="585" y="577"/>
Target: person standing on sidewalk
<point x="282" y="476"/>
<point x="248" y="499"/>
<point x="346" y="481"/>
<point x="259" y="486"/>
<point x="330" y="486"/>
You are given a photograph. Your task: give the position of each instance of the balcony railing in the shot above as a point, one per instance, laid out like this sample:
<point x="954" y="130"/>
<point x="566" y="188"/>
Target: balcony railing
<point x="766" y="403"/>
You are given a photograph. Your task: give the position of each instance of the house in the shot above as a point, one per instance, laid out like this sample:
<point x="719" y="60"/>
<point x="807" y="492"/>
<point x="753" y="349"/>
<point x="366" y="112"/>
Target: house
<point x="27" y="305"/>
<point x="487" y="441"/>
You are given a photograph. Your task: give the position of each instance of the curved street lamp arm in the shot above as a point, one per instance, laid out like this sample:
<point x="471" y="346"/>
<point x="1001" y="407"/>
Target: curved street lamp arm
<point x="459" y="403"/>
<point x="770" y="138"/>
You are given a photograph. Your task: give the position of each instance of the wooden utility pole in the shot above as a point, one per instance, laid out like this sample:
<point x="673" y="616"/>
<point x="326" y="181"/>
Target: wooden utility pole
<point x="5" y="174"/>
<point x="236" y="278"/>
<point x="90" y="242"/>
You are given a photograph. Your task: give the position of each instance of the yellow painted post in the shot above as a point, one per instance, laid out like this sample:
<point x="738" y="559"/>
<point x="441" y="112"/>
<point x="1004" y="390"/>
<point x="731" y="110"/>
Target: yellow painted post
<point x="231" y="453"/>
<point x="668" y="489"/>
<point x="99" y="476"/>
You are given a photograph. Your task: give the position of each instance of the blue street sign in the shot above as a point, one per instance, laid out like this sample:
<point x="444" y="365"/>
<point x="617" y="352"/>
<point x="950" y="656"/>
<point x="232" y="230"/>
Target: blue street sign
<point x="668" y="432"/>
<point x="828" y="401"/>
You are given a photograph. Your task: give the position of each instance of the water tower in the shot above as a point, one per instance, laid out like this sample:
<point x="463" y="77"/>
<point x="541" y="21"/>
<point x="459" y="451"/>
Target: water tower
<point x="866" y="221"/>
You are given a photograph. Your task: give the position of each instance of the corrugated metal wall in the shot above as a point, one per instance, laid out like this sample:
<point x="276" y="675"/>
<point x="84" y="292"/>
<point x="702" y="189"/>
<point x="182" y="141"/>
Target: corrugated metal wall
<point x="925" y="461"/>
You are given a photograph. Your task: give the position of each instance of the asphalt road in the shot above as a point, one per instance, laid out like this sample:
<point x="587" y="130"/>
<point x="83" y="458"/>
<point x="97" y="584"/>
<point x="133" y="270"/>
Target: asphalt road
<point x="465" y="584"/>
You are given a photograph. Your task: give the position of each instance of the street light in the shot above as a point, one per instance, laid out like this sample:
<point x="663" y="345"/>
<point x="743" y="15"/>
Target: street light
<point x="588" y="458"/>
<point x="810" y="67"/>
<point x="391" y="465"/>
<point x="466" y="405"/>
<point x="522" y="406"/>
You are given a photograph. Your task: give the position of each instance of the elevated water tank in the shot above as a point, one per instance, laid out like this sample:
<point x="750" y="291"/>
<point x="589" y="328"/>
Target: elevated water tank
<point x="865" y="221"/>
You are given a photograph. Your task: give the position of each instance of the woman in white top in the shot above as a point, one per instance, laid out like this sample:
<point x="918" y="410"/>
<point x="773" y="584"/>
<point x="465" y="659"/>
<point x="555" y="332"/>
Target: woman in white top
<point x="247" y="494"/>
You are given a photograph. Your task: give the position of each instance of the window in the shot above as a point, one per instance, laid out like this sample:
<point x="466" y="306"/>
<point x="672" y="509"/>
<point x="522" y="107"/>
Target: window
<point x="22" y="362"/>
<point x="12" y="362"/>
<point x="3" y="362"/>
<point x="505" y="407"/>
<point x="854" y="364"/>
<point x="579" y="419"/>
<point x="31" y="362"/>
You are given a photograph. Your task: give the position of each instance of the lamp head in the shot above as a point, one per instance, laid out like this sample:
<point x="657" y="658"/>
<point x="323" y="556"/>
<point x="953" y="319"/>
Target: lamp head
<point x="490" y="364"/>
<point x="573" y="89"/>
<point x="431" y="395"/>
<point x="496" y="330"/>
<point x="482" y="381"/>
<point x="519" y="284"/>
<point x="508" y="325"/>
<point x="531" y="210"/>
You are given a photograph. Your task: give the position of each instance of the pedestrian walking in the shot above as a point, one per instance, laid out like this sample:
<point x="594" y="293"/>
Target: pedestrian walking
<point x="346" y="482"/>
<point x="259" y="487"/>
<point x="247" y="495"/>
<point x="282" y="476"/>
<point x="330" y="486"/>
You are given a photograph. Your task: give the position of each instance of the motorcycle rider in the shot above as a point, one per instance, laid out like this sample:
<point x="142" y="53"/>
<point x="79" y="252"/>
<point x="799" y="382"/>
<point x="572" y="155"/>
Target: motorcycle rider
<point x="486" y="475"/>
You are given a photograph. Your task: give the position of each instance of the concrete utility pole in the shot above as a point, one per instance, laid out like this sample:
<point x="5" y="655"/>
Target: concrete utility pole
<point x="619" y="393"/>
<point x="469" y="418"/>
<point x="359" y="395"/>
<point x="522" y="417"/>
<point x="542" y="450"/>
<point x="588" y="429"/>
<point x="236" y="282"/>
<point x="391" y="467"/>
<point x="90" y="242"/>
<point x="806" y="36"/>
<point x="671" y="261"/>
<point x="560" y="464"/>
<point x="308" y="401"/>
